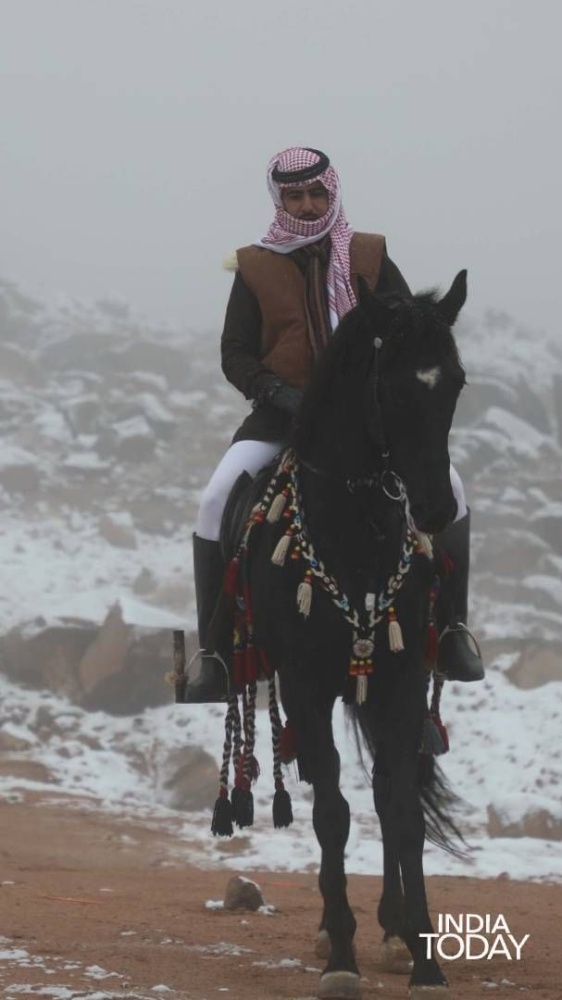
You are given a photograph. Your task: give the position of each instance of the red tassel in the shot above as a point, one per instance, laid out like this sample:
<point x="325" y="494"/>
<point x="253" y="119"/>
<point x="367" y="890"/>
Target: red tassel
<point x="287" y="744"/>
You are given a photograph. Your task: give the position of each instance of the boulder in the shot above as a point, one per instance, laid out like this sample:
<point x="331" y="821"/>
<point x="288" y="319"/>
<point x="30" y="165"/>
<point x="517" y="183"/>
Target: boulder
<point x="116" y="668"/>
<point x="19" y="368"/>
<point x="44" y="656"/>
<point x="242" y="894"/>
<point x="188" y="780"/>
<point x="117" y="531"/>
<point x="538" y="664"/>
<point x="106" y="654"/>
<point x="20" y="477"/>
<point x="539" y="822"/>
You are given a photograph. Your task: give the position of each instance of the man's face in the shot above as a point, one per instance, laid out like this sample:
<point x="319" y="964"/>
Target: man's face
<point x="309" y="203"/>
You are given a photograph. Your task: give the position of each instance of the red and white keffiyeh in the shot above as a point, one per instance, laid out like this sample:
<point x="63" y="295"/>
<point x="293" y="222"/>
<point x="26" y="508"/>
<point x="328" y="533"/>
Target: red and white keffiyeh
<point x="287" y="233"/>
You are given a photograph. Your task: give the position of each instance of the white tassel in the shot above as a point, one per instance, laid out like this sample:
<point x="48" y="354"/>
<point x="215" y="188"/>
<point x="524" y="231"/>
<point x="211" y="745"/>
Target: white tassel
<point x="304" y="597"/>
<point x="277" y="507"/>
<point x="361" y="689"/>
<point x="280" y="550"/>
<point x="425" y="544"/>
<point x="395" y="640"/>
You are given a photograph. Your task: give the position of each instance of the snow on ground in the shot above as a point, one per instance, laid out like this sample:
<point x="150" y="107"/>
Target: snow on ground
<point x="504" y="751"/>
<point x="61" y="567"/>
<point x="85" y="374"/>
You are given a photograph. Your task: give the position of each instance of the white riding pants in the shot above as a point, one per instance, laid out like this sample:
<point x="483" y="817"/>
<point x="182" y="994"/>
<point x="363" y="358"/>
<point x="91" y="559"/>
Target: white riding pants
<point x="251" y="456"/>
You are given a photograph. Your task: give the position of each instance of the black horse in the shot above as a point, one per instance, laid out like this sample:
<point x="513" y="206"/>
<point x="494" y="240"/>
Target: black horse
<point x="335" y="582"/>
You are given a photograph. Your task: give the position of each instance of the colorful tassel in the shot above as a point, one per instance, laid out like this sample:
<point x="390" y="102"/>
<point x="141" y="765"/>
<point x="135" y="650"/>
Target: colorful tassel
<point x="280" y="551"/>
<point x="282" y="807"/>
<point x="304" y="595"/>
<point x="361" y="689"/>
<point x="275" y="512"/>
<point x="395" y="639"/>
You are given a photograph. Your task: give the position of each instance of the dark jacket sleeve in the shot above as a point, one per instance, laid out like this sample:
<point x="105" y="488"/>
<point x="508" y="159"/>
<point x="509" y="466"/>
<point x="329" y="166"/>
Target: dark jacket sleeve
<point x="241" y="342"/>
<point x="390" y="278"/>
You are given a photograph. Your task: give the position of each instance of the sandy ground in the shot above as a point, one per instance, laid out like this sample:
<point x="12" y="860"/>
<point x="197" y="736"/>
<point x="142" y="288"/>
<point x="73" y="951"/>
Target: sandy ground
<point x="95" y="907"/>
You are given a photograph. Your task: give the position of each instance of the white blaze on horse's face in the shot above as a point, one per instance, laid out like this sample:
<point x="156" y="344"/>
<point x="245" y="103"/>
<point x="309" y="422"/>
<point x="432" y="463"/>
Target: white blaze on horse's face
<point x="429" y="376"/>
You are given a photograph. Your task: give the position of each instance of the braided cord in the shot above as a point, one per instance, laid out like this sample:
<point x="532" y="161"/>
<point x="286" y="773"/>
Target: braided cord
<point x="229" y="728"/>
<point x="250" y="697"/>
<point x="275" y="721"/>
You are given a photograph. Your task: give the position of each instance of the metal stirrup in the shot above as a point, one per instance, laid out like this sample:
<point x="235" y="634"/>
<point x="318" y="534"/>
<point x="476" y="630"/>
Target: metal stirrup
<point x="461" y="627"/>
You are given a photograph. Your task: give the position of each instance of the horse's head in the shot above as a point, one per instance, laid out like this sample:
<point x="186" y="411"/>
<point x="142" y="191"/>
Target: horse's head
<point x="412" y="389"/>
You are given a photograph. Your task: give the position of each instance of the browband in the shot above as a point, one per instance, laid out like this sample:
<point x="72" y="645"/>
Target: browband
<point x="305" y="174"/>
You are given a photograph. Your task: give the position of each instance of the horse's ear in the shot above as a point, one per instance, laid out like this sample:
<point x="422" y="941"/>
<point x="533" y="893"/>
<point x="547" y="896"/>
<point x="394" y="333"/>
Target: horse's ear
<point x="451" y="303"/>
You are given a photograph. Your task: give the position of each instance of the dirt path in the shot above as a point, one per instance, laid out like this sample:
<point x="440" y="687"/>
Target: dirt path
<point x="93" y="907"/>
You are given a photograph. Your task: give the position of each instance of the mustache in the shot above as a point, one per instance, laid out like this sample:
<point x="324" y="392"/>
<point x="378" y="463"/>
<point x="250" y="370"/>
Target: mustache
<point x="309" y="216"/>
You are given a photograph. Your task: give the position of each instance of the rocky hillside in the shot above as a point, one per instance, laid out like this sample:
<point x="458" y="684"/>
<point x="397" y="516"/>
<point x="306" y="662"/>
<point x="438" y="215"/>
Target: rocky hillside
<point x="109" y="429"/>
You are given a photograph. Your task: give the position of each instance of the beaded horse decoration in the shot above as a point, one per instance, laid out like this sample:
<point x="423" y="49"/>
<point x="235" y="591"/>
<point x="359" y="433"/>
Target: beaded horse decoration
<point x="281" y="502"/>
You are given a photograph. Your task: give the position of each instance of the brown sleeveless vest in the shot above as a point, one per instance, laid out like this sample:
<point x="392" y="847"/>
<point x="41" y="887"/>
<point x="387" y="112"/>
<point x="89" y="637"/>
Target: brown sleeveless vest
<point x="279" y="287"/>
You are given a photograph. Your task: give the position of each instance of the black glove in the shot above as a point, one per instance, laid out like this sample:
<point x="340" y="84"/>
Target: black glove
<point x="281" y="395"/>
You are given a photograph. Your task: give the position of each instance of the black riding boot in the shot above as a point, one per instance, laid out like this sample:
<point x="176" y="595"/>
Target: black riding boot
<point x="459" y="657"/>
<point x="212" y="682"/>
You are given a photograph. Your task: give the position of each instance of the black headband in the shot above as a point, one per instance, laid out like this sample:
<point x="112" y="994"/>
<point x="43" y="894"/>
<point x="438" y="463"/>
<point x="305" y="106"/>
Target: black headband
<point x="305" y="174"/>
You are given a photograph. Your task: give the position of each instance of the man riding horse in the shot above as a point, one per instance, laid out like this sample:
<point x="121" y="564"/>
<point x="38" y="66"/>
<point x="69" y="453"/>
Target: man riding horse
<point x="290" y="291"/>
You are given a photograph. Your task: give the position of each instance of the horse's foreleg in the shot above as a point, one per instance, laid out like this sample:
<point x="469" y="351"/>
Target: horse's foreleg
<point x="394" y="955"/>
<point x="409" y="830"/>
<point x="331" y="820"/>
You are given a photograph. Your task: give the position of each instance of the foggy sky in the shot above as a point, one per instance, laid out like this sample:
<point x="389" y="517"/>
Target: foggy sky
<point x="134" y="136"/>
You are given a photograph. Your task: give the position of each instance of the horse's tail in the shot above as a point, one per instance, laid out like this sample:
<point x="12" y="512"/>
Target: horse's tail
<point x="438" y="799"/>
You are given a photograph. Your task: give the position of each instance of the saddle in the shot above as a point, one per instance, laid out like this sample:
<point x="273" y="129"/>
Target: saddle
<point x="244" y="495"/>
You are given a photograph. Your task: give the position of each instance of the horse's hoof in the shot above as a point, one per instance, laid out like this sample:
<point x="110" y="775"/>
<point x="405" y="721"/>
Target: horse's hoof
<point x="394" y="957"/>
<point x="339" y="986"/>
<point x="435" y="992"/>
<point x="323" y="947"/>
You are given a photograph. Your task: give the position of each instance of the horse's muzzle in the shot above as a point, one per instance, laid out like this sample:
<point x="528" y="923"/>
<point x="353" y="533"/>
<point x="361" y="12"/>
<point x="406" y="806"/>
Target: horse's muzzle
<point x="431" y="518"/>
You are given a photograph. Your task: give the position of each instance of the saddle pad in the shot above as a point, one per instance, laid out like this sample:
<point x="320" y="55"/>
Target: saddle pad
<point x="242" y="498"/>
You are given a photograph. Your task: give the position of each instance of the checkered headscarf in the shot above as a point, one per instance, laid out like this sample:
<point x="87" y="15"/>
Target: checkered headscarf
<point x="287" y="234"/>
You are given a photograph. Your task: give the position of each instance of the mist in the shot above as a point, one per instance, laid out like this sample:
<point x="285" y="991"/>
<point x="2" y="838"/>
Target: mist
<point x="135" y="137"/>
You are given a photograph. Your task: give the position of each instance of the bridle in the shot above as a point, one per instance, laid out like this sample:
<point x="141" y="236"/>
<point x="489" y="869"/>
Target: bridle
<point x="387" y="480"/>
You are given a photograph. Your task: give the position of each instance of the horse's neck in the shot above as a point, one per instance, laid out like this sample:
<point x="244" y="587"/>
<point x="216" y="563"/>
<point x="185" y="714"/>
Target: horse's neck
<point x="341" y="528"/>
<point x="334" y="438"/>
